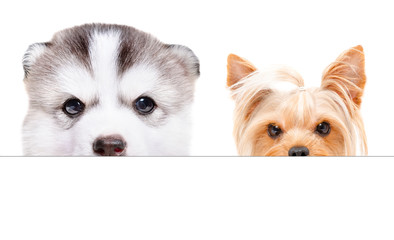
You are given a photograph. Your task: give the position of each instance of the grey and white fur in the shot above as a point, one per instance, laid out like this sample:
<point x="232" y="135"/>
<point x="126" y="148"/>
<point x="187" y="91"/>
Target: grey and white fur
<point x="90" y="89"/>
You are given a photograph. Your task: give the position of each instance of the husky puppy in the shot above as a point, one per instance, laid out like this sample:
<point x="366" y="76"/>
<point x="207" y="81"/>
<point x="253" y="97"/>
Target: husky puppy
<point x="101" y="89"/>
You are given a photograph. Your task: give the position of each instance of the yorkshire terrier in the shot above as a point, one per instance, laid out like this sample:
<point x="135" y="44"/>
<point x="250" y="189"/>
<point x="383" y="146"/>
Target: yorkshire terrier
<point x="275" y="115"/>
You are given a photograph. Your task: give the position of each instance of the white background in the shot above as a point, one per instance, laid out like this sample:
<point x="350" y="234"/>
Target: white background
<point x="206" y="198"/>
<point x="197" y="199"/>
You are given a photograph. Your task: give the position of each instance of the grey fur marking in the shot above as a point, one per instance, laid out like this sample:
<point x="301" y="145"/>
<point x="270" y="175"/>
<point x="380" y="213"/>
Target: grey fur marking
<point x="135" y="47"/>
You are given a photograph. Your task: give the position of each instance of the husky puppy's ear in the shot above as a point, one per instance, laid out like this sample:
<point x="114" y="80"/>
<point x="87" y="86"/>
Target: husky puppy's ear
<point x="346" y="76"/>
<point x="238" y="68"/>
<point x="33" y="52"/>
<point x="188" y="57"/>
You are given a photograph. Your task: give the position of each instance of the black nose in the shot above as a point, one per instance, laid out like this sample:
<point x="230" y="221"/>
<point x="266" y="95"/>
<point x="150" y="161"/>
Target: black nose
<point x="113" y="145"/>
<point x="299" y="151"/>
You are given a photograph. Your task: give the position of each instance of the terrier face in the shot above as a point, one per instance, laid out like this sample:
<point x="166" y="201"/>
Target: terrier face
<point x="276" y="116"/>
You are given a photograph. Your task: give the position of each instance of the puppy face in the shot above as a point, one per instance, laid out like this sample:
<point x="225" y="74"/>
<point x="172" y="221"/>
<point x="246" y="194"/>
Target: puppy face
<point x="108" y="90"/>
<point x="276" y="116"/>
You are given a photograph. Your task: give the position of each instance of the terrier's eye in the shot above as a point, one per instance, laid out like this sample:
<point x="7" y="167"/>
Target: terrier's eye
<point x="274" y="131"/>
<point x="323" y="129"/>
<point x="145" y="105"/>
<point x="73" y="106"/>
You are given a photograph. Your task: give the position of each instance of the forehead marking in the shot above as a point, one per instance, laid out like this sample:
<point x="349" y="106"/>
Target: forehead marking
<point x="75" y="41"/>
<point x="103" y="54"/>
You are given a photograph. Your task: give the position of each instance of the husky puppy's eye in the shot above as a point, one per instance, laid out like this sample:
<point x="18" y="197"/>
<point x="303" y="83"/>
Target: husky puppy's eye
<point x="73" y="107"/>
<point x="323" y="129"/>
<point x="274" y="131"/>
<point x="144" y="105"/>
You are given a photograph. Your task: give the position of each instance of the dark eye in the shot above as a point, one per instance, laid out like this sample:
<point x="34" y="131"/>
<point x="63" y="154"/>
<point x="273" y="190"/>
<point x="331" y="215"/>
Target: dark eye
<point x="274" y="131"/>
<point x="323" y="129"/>
<point x="73" y="107"/>
<point x="145" y="105"/>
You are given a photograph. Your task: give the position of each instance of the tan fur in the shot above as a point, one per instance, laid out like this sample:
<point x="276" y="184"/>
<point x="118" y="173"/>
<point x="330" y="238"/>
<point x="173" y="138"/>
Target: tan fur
<point x="346" y="76"/>
<point x="237" y="69"/>
<point x="260" y="100"/>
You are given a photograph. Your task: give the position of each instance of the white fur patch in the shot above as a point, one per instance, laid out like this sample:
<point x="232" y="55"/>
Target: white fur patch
<point x="103" y="56"/>
<point x="138" y="80"/>
<point x="77" y="81"/>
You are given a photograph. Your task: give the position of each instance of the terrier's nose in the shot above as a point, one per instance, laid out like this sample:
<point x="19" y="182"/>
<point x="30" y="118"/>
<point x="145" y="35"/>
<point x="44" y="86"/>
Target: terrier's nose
<point x="298" y="151"/>
<point x="113" y="145"/>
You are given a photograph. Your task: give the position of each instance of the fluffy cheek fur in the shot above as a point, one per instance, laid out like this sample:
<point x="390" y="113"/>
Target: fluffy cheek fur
<point x="142" y="139"/>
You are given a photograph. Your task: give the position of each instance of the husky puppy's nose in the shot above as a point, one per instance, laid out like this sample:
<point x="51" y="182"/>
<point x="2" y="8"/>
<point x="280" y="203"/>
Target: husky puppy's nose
<point x="113" y="145"/>
<point x="298" y="151"/>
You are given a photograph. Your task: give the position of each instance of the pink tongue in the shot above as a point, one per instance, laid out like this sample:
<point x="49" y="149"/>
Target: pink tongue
<point x="118" y="150"/>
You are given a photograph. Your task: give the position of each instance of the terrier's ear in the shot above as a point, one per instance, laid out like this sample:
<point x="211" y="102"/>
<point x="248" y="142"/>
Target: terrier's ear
<point x="237" y="68"/>
<point x="346" y="76"/>
<point x="32" y="54"/>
